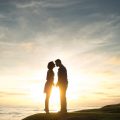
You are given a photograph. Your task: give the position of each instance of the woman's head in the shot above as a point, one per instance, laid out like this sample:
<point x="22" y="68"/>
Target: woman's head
<point x="51" y="65"/>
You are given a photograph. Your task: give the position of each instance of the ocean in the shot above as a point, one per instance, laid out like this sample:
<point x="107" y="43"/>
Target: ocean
<point x="17" y="113"/>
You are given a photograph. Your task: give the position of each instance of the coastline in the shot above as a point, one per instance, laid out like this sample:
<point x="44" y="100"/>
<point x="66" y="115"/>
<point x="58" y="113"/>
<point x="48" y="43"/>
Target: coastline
<point x="108" y="112"/>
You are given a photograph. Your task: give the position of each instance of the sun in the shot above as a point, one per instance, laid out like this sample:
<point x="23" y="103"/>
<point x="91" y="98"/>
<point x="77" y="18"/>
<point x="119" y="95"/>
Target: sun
<point x="55" y="99"/>
<point x="37" y="96"/>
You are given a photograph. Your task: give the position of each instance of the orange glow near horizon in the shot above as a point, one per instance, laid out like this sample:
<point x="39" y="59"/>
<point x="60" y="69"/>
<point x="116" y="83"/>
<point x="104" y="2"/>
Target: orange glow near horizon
<point x="83" y="90"/>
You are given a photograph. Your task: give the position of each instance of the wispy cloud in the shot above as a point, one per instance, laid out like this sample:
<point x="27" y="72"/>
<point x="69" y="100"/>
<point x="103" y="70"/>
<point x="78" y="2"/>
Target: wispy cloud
<point x="29" y="4"/>
<point x="115" y="60"/>
<point x="47" y="3"/>
<point x="2" y="16"/>
<point x="2" y="93"/>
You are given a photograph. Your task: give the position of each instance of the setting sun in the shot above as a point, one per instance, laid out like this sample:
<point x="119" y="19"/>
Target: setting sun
<point x="37" y="96"/>
<point x="55" y="99"/>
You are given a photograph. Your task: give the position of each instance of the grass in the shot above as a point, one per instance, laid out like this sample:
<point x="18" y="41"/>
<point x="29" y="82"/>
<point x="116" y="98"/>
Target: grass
<point x="110" y="112"/>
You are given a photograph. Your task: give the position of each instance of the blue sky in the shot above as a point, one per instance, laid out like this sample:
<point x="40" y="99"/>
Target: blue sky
<point x="83" y="33"/>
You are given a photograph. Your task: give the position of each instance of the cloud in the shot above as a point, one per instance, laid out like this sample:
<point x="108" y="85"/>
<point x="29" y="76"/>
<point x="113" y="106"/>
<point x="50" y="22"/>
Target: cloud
<point x="2" y="94"/>
<point x="90" y="42"/>
<point x="47" y="4"/>
<point x="83" y="33"/>
<point x="100" y="93"/>
<point x="28" y="4"/>
<point x="2" y="16"/>
<point x="46" y="20"/>
<point x="115" y="60"/>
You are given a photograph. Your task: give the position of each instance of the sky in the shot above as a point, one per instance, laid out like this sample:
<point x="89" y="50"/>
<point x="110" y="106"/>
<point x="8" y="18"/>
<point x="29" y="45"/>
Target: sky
<point x="84" y="34"/>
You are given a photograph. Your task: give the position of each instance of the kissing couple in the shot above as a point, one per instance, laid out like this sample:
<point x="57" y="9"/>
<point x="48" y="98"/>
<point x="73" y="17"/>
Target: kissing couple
<point x="62" y="83"/>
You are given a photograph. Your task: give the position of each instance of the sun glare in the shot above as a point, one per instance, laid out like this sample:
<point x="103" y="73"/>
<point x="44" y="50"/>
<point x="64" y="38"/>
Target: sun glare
<point x="78" y="87"/>
<point x="55" y="99"/>
<point x="37" y="96"/>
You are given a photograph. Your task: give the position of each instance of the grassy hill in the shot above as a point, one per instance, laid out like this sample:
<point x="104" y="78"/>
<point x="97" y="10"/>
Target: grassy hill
<point x="109" y="112"/>
<point x="111" y="108"/>
<point x="115" y="108"/>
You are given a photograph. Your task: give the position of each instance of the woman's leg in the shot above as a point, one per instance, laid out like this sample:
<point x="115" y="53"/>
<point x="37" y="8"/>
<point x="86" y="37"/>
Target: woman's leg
<point x="47" y="102"/>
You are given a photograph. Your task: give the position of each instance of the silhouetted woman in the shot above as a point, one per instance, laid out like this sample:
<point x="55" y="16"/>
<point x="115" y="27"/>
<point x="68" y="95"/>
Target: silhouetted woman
<point x="48" y="85"/>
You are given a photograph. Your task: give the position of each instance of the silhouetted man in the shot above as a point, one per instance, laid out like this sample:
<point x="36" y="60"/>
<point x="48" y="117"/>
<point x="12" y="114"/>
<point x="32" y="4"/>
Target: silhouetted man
<point x="62" y="84"/>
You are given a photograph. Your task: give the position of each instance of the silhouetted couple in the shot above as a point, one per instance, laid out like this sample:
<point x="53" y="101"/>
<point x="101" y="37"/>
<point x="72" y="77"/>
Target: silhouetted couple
<point x="62" y="83"/>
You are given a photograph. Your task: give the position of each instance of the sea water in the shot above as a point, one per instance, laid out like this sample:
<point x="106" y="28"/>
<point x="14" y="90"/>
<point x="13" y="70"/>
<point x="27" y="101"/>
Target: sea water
<point x="17" y="113"/>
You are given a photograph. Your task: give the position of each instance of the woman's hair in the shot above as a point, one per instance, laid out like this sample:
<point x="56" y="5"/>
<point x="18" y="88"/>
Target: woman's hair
<point x="50" y="65"/>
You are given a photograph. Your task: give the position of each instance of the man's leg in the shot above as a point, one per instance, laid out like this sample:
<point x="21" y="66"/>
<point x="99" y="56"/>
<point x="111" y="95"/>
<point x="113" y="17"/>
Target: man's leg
<point x="63" y="99"/>
<point x="60" y="98"/>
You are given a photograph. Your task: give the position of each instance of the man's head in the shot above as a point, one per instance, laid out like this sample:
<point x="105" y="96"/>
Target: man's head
<point x="58" y="62"/>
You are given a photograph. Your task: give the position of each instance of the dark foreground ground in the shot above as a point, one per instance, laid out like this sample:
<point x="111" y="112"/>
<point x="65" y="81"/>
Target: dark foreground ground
<point x="110" y="112"/>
